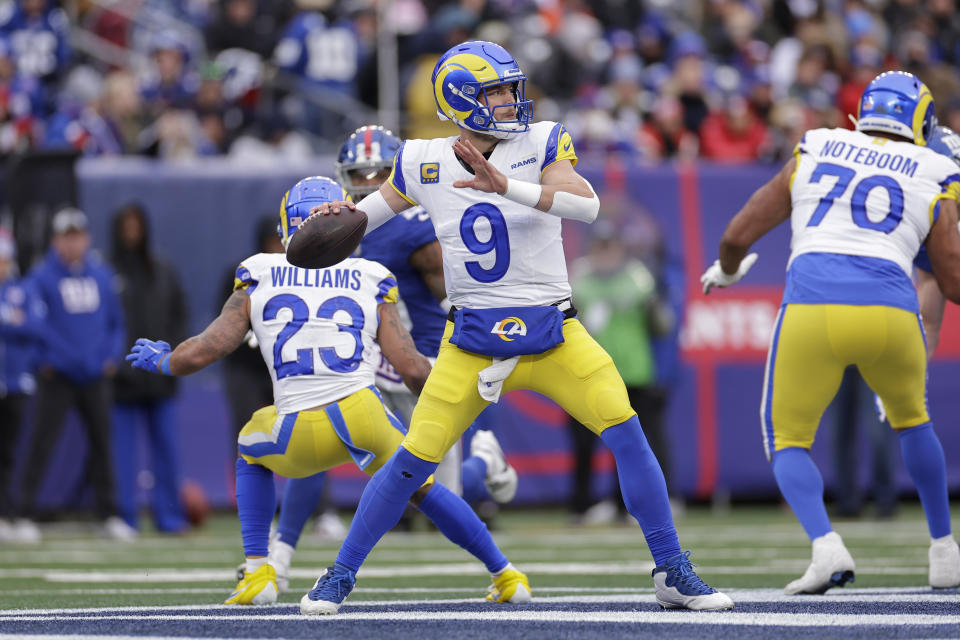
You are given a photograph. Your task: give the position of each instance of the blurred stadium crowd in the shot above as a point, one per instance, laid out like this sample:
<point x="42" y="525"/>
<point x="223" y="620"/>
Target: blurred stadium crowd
<point x="728" y="80"/>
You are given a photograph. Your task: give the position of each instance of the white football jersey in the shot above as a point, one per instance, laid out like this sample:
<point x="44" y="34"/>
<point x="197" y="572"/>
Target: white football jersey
<point x="317" y="328"/>
<point x="496" y="252"/>
<point x="856" y="194"/>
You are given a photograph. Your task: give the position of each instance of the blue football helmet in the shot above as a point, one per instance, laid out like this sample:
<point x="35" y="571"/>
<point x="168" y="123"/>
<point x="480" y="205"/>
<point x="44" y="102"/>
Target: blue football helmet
<point x="366" y="152"/>
<point x="303" y="196"/>
<point x="464" y="73"/>
<point x="946" y="142"/>
<point x="897" y="102"/>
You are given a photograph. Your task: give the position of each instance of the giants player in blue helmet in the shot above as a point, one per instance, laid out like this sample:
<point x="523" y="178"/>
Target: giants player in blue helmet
<point x="321" y="332"/>
<point x="861" y="204"/>
<point x="408" y="247"/>
<point x="496" y="195"/>
<point x="932" y="302"/>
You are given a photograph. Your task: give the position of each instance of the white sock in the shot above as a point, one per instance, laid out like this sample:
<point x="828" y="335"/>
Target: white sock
<point x="506" y="568"/>
<point x="253" y="564"/>
<point x="949" y="536"/>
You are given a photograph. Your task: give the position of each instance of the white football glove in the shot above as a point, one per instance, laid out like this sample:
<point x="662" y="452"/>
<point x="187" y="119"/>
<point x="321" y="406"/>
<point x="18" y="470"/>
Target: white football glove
<point x="715" y="277"/>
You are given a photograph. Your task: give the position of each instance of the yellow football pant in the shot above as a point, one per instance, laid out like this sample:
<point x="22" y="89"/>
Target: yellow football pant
<point x="577" y="374"/>
<point x="811" y="346"/>
<point x="304" y="443"/>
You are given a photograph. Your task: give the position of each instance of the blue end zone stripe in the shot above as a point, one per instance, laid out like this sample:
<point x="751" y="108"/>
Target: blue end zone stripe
<point x="277" y="448"/>
<point x="553" y="140"/>
<point x="394" y="420"/>
<point x="766" y="409"/>
<point x="361" y="457"/>
<point x="398" y="180"/>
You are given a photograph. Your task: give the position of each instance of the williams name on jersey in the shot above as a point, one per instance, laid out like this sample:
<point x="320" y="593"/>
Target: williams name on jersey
<point x="317" y="328"/>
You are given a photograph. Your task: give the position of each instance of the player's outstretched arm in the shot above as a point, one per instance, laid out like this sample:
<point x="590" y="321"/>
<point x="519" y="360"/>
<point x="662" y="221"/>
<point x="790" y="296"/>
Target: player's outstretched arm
<point x="943" y="247"/>
<point x="398" y="347"/>
<point x="221" y="337"/>
<point x="562" y="191"/>
<point x="932" y="305"/>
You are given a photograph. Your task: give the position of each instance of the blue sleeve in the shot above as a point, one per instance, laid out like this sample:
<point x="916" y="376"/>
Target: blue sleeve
<point x="414" y="233"/>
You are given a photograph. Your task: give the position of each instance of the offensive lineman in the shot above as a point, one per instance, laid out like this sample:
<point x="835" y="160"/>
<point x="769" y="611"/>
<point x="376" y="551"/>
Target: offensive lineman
<point x="496" y="195"/>
<point x="318" y="331"/>
<point x="861" y="205"/>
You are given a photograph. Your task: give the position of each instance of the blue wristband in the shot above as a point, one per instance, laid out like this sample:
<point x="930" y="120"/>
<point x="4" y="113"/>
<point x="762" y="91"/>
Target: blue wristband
<point x="164" y="365"/>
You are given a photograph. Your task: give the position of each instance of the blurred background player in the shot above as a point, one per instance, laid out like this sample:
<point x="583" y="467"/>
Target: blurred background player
<point x="21" y="319"/>
<point x="618" y="302"/>
<point x="408" y="247"/>
<point x="83" y="336"/>
<point x="520" y="289"/>
<point x="153" y="305"/>
<point x="849" y="300"/>
<point x="326" y="410"/>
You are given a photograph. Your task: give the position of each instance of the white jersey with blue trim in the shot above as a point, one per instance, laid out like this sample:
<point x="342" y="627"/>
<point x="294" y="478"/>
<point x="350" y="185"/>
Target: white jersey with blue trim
<point x="861" y="195"/>
<point x="496" y="252"/>
<point x="317" y="328"/>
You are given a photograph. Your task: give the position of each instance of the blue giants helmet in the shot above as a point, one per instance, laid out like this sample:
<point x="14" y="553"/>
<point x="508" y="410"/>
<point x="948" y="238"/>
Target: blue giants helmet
<point x="946" y="142"/>
<point x="303" y="196"/>
<point x="897" y="102"/>
<point x="462" y="76"/>
<point x="369" y="149"/>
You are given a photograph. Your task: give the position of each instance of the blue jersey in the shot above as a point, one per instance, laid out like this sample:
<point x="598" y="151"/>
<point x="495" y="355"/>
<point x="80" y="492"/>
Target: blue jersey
<point x="83" y="329"/>
<point x="322" y="53"/>
<point x="40" y="45"/>
<point x="21" y="321"/>
<point x="391" y="245"/>
<point x="945" y="142"/>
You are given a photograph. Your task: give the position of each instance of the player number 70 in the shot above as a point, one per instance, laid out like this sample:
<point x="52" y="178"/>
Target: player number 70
<point x="858" y="201"/>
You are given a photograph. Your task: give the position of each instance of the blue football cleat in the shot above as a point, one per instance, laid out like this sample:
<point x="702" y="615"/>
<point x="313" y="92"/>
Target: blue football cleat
<point x="679" y="587"/>
<point x="328" y="593"/>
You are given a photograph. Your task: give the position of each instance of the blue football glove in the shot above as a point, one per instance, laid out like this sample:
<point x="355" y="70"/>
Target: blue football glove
<point x="150" y="356"/>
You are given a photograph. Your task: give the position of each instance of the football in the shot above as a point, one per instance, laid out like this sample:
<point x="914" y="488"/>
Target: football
<point x="324" y="240"/>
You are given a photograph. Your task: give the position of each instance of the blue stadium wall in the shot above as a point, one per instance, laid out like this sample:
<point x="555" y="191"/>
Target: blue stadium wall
<point x="203" y="218"/>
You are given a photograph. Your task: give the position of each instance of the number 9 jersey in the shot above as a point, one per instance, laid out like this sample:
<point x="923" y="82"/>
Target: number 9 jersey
<point x="496" y="252"/>
<point x="317" y="328"/>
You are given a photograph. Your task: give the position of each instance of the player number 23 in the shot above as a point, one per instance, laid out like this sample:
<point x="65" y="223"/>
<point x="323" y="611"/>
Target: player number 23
<point x="858" y="201"/>
<point x="303" y="364"/>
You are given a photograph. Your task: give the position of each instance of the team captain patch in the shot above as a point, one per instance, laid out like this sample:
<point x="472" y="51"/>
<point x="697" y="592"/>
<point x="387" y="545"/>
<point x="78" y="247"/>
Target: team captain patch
<point x="429" y="172"/>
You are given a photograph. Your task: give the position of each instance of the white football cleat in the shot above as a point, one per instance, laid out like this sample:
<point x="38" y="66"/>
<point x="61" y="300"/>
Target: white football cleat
<point x="281" y="555"/>
<point x="25" y="531"/>
<point x="677" y="586"/>
<point x="944" y="563"/>
<point x="501" y="480"/>
<point x="329" y="527"/>
<point x="832" y="566"/>
<point x="116" y="528"/>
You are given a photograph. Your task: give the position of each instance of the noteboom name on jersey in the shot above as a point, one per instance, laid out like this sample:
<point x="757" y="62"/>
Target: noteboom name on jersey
<point x="333" y="278"/>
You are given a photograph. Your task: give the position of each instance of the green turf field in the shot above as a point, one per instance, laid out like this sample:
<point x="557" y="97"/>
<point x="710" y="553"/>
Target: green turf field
<point x="745" y="547"/>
